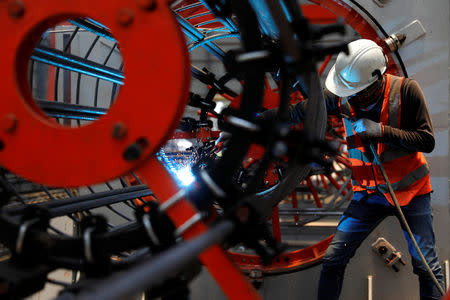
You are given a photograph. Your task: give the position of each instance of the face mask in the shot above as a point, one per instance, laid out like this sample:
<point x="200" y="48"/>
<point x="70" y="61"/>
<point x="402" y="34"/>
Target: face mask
<point x="367" y="98"/>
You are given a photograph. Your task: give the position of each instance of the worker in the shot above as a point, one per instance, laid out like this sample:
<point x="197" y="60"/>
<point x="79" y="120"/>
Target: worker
<point x="390" y="112"/>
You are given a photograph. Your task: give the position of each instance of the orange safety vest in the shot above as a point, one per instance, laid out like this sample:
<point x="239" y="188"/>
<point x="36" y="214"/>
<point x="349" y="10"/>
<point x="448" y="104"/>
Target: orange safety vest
<point x="407" y="171"/>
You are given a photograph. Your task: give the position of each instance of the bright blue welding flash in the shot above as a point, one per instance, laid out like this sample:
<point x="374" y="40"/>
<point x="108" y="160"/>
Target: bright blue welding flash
<point x="185" y="176"/>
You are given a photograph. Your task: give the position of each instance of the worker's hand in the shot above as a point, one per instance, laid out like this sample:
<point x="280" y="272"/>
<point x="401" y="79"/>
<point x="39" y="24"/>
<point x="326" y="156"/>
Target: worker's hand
<point x="222" y="142"/>
<point x="366" y="128"/>
<point x="224" y="137"/>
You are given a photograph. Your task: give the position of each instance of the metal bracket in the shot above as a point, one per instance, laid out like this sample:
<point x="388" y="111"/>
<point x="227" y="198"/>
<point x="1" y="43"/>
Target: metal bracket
<point x="405" y="35"/>
<point x="149" y="228"/>
<point x="22" y="232"/>
<point x="390" y="255"/>
<point x="89" y="255"/>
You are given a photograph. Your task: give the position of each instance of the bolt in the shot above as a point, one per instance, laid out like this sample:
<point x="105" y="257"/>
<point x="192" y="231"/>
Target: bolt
<point x="133" y="152"/>
<point x="279" y="149"/>
<point x="119" y="131"/>
<point x="243" y="214"/>
<point x="16" y="9"/>
<point x="284" y="131"/>
<point x="382" y="250"/>
<point x="255" y="273"/>
<point x="125" y="17"/>
<point x="8" y="123"/>
<point x="147" y="4"/>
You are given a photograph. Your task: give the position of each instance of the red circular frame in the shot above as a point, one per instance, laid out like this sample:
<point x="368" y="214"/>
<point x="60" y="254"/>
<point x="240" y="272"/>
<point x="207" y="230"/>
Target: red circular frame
<point x="149" y="108"/>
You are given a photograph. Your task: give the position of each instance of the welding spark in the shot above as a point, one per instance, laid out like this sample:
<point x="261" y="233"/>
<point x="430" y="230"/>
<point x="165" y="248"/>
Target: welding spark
<point x="185" y="176"/>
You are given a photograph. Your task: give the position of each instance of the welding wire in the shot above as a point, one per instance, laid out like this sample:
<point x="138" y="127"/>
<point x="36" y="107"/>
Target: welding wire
<point x="402" y="220"/>
<point x="370" y="287"/>
<point x="447" y="274"/>
<point x="150" y="273"/>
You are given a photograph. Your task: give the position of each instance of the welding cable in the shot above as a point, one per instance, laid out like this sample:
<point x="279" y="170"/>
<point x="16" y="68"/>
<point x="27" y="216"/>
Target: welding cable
<point x="402" y="219"/>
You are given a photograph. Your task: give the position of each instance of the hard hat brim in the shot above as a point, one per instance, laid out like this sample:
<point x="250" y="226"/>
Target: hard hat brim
<point x="335" y="86"/>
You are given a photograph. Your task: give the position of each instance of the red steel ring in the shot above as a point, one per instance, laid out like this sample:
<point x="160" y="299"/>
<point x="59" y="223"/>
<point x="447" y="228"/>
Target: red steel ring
<point x="36" y="147"/>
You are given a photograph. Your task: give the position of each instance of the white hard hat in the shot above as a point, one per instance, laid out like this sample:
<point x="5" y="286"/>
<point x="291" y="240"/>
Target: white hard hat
<point x="354" y="72"/>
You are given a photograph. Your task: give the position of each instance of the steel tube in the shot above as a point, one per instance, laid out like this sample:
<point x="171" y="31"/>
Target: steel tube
<point x="74" y="63"/>
<point x="71" y="111"/>
<point x="75" y="203"/>
<point x="160" y="267"/>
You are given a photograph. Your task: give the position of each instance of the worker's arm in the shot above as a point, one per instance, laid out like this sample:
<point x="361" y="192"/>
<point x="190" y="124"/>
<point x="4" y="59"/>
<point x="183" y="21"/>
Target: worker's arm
<point x="297" y="111"/>
<point x="416" y="130"/>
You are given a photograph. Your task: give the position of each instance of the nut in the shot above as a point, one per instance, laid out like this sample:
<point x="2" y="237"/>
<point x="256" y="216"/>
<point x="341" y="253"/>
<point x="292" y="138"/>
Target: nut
<point x="125" y="17"/>
<point x="119" y="131"/>
<point x="147" y="4"/>
<point x="8" y="123"/>
<point x="16" y="9"/>
<point x="133" y="152"/>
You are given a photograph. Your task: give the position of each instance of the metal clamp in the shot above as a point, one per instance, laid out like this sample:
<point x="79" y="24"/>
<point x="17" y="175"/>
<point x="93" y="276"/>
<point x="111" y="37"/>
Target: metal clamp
<point x="188" y="224"/>
<point x="212" y="185"/>
<point x="149" y="228"/>
<point x="22" y="232"/>
<point x="88" y="245"/>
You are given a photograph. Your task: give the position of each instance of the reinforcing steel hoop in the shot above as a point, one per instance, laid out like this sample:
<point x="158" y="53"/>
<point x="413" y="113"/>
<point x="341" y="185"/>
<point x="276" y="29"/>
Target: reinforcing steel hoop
<point x="149" y="109"/>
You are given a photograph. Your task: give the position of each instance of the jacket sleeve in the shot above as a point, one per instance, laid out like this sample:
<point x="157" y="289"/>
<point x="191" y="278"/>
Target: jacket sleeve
<point x="416" y="129"/>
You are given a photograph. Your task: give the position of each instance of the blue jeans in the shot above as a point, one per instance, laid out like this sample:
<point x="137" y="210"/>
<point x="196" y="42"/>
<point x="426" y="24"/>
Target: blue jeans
<point x="363" y="214"/>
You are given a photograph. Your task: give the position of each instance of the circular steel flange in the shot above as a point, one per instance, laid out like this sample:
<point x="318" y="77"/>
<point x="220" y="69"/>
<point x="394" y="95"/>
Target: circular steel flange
<point x="39" y="149"/>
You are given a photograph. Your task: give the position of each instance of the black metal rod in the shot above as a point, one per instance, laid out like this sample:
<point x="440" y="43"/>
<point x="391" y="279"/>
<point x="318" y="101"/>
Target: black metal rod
<point x="71" y="111"/>
<point x="160" y="267"/>
<point x="99" y="202"/>
<point x="101" y="198"/>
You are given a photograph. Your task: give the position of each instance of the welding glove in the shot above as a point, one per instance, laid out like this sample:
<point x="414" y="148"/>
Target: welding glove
<point x="366" y="128"/>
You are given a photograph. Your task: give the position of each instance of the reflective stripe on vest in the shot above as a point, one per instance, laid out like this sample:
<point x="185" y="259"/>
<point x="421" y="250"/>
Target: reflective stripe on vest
<point x="395" y="160"/>
<point x="407" y="180"/>
<point x="353" y="152"/>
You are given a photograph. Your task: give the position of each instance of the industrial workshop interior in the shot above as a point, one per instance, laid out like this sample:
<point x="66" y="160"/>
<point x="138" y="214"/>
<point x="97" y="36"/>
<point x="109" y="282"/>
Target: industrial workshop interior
<point x="224" y="149"/>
